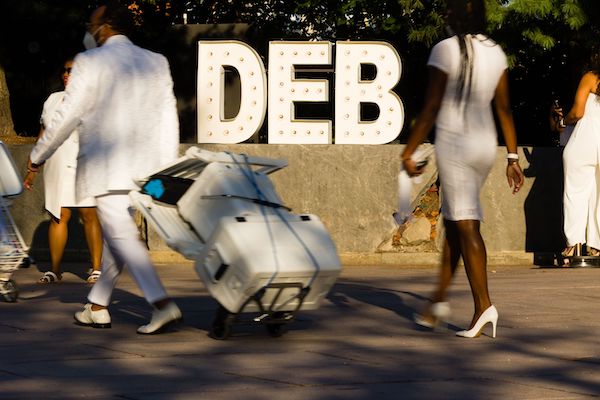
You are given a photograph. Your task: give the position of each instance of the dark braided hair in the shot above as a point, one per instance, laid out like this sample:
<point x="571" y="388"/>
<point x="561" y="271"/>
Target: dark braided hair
<point x="465" y="17"/>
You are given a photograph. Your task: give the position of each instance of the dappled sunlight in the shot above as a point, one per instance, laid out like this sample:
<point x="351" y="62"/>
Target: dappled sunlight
<point x="360" y="344"/>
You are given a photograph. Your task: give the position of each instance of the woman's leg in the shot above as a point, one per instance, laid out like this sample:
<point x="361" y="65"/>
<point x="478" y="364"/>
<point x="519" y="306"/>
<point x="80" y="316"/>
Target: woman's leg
<point x="475" y="259"/>
<point x="450" y="256"/>
<point x="57" y="238"/>
<point x="93" y="234"/>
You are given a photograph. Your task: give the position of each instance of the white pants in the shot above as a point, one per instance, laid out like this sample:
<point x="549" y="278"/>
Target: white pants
<point x="581" y="160"/>
<point x="124" y="248"/>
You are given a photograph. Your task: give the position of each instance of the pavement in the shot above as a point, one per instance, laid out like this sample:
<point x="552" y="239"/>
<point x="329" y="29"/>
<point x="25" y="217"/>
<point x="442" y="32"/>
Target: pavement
<point x="360" y="344"/>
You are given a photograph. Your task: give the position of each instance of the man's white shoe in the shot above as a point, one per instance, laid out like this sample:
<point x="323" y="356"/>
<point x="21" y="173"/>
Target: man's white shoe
<point x="161" y="319"/>
<point x="95" y="319"/>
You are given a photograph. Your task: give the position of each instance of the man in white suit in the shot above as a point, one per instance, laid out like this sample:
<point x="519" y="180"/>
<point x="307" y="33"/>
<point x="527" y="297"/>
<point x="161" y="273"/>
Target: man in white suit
<point x="120" y="97"/>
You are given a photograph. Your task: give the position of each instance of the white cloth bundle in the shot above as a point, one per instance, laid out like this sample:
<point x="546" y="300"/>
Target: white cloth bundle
<point x="405" y="185"/>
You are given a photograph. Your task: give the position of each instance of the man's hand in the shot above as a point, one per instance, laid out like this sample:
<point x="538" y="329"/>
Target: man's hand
<point x="28" y="181"/>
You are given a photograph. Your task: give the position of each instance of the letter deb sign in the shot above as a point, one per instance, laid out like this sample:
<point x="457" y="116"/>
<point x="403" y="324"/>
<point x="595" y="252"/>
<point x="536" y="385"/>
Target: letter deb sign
<point x="284" y="90"/>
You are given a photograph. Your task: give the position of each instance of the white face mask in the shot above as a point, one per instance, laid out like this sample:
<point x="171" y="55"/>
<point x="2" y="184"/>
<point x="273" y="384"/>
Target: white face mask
<point x="89" y="41"/>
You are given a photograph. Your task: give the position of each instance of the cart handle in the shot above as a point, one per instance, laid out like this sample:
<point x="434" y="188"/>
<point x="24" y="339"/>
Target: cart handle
<point x="257" y="201"/>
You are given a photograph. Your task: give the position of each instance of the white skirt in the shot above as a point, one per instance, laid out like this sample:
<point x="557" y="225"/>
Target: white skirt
<point x="59" y="178"/>
<point x="464" y="162"/>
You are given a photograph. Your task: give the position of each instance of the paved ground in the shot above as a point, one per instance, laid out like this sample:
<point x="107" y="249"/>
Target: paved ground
<point x="361" y="344"/>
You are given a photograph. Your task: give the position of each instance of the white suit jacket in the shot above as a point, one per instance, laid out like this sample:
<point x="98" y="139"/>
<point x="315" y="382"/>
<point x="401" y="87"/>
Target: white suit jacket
<point x="120" y="97"/>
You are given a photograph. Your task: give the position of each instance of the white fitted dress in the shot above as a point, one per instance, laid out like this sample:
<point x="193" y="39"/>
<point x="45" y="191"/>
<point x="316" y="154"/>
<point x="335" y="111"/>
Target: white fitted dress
<point x="466" y="138"/>
<point x="59" y="170"/>
<point x="581" y="160"/>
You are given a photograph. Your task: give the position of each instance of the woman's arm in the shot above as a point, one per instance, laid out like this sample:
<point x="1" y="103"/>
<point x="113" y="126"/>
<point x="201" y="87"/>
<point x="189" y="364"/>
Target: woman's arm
<point x="587" y="85"/>
<point x="30" y="177"/>
<point x="514" y="174"/>
<point x="433" y="101"/>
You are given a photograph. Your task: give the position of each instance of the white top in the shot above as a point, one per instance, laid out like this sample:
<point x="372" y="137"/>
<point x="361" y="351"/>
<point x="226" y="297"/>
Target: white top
<point x="489" y="63"/>
<point x="59" y="170"/>
<point x="120" y="96"/>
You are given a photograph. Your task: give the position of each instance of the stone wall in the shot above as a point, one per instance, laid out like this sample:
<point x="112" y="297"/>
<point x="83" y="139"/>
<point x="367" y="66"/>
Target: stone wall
<point x="353" y="189"/>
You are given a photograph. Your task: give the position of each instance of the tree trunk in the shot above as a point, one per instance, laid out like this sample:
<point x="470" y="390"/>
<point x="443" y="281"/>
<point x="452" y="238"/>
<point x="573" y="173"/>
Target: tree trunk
<point x="6" y="123"/>
<point x="7" y="128"/>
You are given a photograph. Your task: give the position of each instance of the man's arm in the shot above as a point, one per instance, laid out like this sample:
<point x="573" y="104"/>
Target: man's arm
<point x="77" y="100"/>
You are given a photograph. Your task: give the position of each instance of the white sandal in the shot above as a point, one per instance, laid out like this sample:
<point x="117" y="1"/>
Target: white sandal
<point x="49" y="277"/>
<point x="94" y="276"/>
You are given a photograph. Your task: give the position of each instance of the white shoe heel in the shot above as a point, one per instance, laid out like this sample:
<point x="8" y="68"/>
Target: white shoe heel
<point x="488" y="316"/>
<point x="440" y="312"/>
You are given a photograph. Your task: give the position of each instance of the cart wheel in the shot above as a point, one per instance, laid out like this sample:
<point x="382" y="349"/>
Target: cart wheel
<point x="221" y="325"/>
<point x="277" y="330"/>
<point x="10" y="291"/>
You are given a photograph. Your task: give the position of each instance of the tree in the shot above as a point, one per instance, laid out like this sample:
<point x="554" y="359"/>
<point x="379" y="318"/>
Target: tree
<point x="37" y="36"/>
<point x="546" y="41"/>
<point x="6" y="123"/>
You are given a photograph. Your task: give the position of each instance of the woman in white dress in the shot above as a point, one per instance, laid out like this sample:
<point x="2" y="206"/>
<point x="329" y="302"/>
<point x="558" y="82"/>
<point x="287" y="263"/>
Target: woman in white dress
<point x="59" y="191"/>
<point x="581" y="161"/>
<point x="467" y="73"/>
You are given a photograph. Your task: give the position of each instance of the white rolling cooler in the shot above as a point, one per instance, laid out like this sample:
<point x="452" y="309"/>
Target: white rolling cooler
<point x="12" y="246"/>
<point x="253" y="255"/>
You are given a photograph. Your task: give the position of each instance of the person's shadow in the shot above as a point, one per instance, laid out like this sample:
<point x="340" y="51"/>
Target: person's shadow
<point x="543" y="206"/>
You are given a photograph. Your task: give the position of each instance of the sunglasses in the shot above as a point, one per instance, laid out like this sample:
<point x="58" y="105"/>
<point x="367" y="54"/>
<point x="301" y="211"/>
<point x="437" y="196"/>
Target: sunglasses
<point x="67" y="70"/>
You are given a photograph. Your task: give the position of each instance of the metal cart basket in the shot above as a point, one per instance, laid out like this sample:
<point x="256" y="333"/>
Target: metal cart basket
<point x="12" y="247"/>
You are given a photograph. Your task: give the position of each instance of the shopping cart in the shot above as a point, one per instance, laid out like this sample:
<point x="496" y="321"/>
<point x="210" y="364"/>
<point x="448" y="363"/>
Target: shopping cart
<point x="253" y="255"/>
<point x="12" y="247"/>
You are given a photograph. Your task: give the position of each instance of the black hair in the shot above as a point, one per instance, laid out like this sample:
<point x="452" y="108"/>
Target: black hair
<point x="117" y="16"/>
<point x="465" y="17"/>
<point x="593" y="65"/>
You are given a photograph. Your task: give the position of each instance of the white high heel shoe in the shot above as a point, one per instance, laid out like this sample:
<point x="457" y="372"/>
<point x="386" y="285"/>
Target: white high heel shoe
<point x="489" y="315"/>
<point x="440" y="312"/>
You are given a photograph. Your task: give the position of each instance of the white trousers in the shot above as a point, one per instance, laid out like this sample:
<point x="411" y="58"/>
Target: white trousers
<point x="581" y="159"/>
<point x="121" y="236"/>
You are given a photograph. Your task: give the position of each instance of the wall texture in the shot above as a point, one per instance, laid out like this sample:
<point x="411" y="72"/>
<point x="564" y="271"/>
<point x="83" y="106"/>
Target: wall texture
<point x="353" y="189"/>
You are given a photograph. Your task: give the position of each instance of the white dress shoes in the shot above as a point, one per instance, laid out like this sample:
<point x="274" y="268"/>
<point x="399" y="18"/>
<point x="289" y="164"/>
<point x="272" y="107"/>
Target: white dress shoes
<point x="161" y="319"/>
<point x="95" y="319"/>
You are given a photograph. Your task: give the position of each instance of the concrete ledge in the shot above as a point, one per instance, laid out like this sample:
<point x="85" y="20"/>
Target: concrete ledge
<point x="430" y="259"/>
<point x="169" y="256"/>
<point x="353" y="190"/>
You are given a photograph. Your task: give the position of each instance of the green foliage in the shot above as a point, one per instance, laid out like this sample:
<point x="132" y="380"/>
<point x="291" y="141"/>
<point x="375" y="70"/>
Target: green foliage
<point x="537" y="37"/>
<point x="547" y="41"/>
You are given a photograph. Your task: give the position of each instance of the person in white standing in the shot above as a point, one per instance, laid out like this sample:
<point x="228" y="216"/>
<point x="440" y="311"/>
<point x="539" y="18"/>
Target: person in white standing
<point x="120" y="96"/>
<point x="467" y="72"/>
<point x="581" y="163"/>
<point x="59" y="195"/>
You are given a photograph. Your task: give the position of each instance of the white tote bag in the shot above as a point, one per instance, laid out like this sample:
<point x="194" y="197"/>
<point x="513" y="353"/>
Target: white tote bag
<point x="406" y="183"/>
